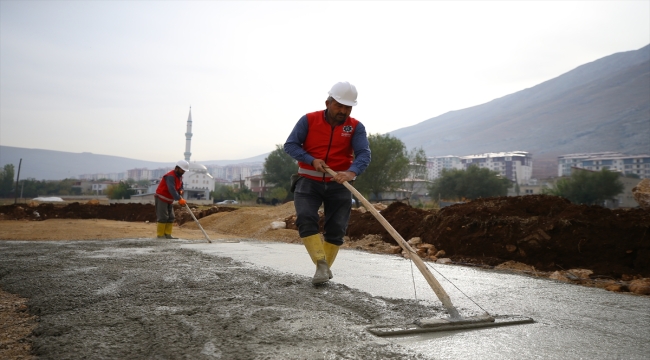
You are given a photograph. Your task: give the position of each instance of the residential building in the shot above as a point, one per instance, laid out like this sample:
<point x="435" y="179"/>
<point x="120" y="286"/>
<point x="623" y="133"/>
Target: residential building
<point x="613" y="161"/>
<point x="99" y="187"/>
<point x="235" y="172"/>
<point x="435" y="165"/>
<point x="104" y="176"/>
<point x="139" y="174"/>
<point x="257" y="185"/>
<point x="516" y="166"/>
<point x="416" y="188"/>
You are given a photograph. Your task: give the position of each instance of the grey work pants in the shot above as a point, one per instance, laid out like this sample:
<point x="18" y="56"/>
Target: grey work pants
<point x="337" y="201"/>
<point x="164" y="211"/>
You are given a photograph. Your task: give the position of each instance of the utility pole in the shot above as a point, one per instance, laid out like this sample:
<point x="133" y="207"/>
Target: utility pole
<point x="17" y="180"/>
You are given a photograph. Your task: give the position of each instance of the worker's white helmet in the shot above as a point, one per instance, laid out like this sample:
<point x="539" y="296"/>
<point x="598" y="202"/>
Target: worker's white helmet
<point x="344" y="93"/>
<point x="183" y="165"/>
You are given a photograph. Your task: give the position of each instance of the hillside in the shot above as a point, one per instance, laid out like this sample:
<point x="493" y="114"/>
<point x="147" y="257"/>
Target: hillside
<point x="600" y="106"/>
<point x="57" y="165"/>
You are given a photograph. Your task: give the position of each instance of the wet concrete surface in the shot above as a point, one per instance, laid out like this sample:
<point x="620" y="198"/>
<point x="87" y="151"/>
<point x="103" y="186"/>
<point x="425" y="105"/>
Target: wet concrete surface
<point x="143" y="299"/>
<point x="572" y="322"/>
<point x="254" y="300"/>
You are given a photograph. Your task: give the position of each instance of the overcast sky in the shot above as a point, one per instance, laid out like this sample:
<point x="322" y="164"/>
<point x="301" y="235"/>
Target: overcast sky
<point x="118" y="77"/>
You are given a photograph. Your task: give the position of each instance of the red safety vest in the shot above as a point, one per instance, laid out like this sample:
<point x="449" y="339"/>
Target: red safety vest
<point x="333" y="145"/>
<point x="162" y="192"/>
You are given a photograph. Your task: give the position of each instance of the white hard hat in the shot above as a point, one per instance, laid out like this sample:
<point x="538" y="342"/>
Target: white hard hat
<point x="183" y="165"/>
<point x="344" y="93"/>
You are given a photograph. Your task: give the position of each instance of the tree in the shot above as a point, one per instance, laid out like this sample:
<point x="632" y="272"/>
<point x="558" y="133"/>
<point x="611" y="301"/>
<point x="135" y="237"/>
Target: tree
<point x="389" y="165"/>
<point x="7" y="180"/>
<point x="417" y="164"/>
<point x="119" y="191"/>
<point x="586" y="187"/>
<point x="278" y="168"/>
<point x="417" y="170"/>
<point x="222" y="192"/>
<point x="472" y="183"/>
<point x="278" y="193"/>
<point x="245" y="194"/>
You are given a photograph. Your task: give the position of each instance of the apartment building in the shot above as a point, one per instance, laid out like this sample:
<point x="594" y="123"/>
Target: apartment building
<point x="235" y="172"/>
<point x="613" y="161"/>
<point x="138" y="174"/>
<point x="435" y="165"/>
<point x="516" y="166"/>
<point x="107" y="176"/>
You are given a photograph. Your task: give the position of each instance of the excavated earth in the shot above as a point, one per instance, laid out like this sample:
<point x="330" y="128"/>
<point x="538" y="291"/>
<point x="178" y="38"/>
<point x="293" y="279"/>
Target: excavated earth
<point x="546" y="232"/>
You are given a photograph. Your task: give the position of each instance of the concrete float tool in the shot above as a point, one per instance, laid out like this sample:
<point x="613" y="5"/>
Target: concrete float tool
<point x="455" y="321"/>
<point x="201" y="227"/>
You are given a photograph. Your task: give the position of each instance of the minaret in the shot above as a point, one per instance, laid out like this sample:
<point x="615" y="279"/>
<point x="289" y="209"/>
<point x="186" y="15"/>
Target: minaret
<point x="188" y="137"/>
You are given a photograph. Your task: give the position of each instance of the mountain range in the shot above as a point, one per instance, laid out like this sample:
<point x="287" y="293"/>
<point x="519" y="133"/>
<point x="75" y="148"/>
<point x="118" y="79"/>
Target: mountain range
<point x="42" y="164"/>
<point x="603" y="105"/>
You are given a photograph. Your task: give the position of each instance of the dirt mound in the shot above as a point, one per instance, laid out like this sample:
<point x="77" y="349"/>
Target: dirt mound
<point x="90" y="210"/>
<point x="547" y="232"/>
<point x="44" y="211"/>
<point x="252" y="222"/>
<point x="641" y="193"/>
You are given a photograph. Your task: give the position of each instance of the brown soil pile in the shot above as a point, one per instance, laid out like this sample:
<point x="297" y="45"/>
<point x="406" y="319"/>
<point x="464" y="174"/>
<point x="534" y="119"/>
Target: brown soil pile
<point x="120" y="212"/>
<point x="547" y="232"/>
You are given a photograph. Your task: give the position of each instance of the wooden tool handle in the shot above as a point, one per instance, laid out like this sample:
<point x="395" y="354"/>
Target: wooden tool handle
<point x="198" y="223"/>
<point x="433" y="282"/>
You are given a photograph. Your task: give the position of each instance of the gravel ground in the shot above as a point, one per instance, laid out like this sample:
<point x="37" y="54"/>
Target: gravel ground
<point x="150" y="299"/>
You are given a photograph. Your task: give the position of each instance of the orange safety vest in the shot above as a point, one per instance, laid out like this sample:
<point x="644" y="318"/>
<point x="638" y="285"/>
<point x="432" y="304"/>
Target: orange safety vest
<point x="331" y="144"/>
<point x="163" y="193"/>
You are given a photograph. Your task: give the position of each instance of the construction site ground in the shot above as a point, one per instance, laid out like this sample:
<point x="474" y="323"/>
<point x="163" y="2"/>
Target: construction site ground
<point x="540" y="236"/>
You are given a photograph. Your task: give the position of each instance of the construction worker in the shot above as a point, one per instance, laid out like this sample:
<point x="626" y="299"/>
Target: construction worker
<point x="169" y="189"/>
<point x="320" y="139"/>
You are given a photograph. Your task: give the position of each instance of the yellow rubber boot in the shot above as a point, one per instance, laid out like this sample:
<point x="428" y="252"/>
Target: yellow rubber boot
<point x="314" y="247"/>
<point x="331" y="251"/>
<point x="160" y="230"/>
<point x="168" y="231"/>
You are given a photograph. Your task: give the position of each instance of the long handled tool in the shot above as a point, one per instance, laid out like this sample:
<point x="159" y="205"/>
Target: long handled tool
<point x="198" y="223"/>
<point x="201" y="227"/>
<point x="455" y="321"/>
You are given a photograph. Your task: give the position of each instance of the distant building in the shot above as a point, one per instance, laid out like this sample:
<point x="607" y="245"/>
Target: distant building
<point x="198" y="182"/>
<point x="257" y="185"/>
<point x="516" y="166"/>
<point x="139" y="174"/>
<point x="613" y="161"/>
<point x="435" y="165"/>
<point x="104" y="176"/>
<point x="99" y="188"/>
<point x="235" y="172"/>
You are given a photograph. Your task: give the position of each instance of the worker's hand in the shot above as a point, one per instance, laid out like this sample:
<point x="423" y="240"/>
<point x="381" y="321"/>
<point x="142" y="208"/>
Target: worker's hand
<point x="319" y="165"/>
<point x="182" y="202"/>
<point x="343" y="176"/>
<point x="181" y="192"/>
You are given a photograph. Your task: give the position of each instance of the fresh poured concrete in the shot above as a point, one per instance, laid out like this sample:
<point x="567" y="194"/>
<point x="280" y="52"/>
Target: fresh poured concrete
<point x="572" y="322"/>
<point x="144" y="298"/>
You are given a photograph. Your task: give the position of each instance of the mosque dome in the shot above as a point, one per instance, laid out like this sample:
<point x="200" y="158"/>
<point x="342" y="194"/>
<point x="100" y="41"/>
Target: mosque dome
<point x="198" y="168"/>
